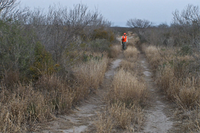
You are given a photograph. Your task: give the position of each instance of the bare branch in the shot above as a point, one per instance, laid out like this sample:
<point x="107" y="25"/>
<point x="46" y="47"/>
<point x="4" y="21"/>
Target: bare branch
<point x="139" y="23"/>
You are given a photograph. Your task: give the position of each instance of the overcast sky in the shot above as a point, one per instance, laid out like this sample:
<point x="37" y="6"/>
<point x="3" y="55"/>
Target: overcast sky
<point x="119" y="11"/>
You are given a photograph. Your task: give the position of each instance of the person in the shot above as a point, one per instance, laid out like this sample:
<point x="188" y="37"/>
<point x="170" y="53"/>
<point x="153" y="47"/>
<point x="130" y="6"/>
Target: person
<point x="124" y="40"/>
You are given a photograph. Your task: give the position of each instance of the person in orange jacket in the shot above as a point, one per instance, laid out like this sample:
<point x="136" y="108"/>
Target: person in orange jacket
<point x="124" y="40"/>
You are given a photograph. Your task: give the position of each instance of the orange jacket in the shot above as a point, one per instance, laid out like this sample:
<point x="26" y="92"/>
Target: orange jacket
<point x="124" y="38"/>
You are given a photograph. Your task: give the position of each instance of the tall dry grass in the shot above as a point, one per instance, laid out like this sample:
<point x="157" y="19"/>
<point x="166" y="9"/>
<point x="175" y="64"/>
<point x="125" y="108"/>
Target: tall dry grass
<point x="176" y="76"/>
<point x="92" y="72"/>
<point x="127" y="89"/>
<point x="131" y="53"/>
<point x="23" y="106"/>
<point x="118" y="116"/>
<point x="153" y="56"/>
<point x="115" y="51"/>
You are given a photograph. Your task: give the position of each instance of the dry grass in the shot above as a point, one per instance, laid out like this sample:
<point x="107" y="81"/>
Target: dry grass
<point x="20" y="108"/>
<point x="131" y="53"/>
<point x="153" y="56"/>
<point x="114" y="51"/>
<point x="118" y="116"/>
<point x="126" y="98"/>
<point x="177" y="77"/>
<point x="104" y="124"/>
<point x="130" y="67"/>
<point x="128" y="89"/>
<point x="23" y="106"/>
<point x="92" y="72"/>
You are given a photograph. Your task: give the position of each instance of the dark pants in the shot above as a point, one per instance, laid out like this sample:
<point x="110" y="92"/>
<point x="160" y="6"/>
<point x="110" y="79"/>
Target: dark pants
<point x="123" y="45"/>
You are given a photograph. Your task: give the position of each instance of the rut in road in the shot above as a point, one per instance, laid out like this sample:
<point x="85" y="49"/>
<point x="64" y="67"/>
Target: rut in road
<point x="159" y="114"/>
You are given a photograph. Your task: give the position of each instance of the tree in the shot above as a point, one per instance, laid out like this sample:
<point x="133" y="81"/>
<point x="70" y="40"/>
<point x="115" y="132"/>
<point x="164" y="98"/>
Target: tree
<point x="6" y="6"/>
<point x="139" y="26"/>
<point x="138" y="23"/>
<point x="186" y="26"/>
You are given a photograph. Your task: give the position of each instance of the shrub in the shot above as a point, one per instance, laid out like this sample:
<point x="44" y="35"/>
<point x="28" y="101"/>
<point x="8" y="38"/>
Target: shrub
<point x="100" y="45"/>
<point x="101" y="33"/>
<point x="16" y="49"/>
<point x="43" y="62"/>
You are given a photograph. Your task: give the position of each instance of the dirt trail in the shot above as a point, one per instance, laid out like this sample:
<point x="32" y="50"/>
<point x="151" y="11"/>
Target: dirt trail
<point x="159" y="114"/>
<point x="83" y="118"/>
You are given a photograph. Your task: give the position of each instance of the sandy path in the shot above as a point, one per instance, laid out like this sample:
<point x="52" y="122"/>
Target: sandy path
<point x="159" y="114"/>
<point x="83" y="117"/>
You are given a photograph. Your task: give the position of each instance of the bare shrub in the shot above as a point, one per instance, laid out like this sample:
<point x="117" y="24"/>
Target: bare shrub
<point x="138" y="23"/>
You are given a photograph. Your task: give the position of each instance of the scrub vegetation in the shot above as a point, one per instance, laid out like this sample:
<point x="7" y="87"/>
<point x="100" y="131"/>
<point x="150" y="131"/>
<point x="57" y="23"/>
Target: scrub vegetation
<point x="173" y="53"/>
<point x="126" y="97"/>
<point x="49" y="62"/>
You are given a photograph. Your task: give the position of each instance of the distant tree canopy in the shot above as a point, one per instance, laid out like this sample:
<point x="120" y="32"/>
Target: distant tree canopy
<point x="189" y="16"/>
<point x="138" y="23"/>
<point x="6" y="3"/>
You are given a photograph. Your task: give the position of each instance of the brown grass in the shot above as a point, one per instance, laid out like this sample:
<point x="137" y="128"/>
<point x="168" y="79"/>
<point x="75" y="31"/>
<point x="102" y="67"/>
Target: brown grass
<point x="92" y="72"/>
<point x="131" y="53"/>
<point x="126" y="97"/>
<point x="130" y="67"/>
<point x="114" y="51"/>
<point x="128" y="89"/>
<point x="177" y="77"/>
<point x="153" y="56"/>
<point x="23" y="106"/>
<point x="118" y="116"/>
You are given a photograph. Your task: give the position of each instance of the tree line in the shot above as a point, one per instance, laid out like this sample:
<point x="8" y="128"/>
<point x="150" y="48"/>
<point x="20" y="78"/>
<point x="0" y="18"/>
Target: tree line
<point x="34" y="42"/>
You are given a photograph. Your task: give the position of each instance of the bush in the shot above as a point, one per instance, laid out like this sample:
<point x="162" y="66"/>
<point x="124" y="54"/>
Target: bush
<point x="100" y="45"/>
<point x="101" y="33"/>
<point x="16" y="49"/>
<point x="43" y="63"/>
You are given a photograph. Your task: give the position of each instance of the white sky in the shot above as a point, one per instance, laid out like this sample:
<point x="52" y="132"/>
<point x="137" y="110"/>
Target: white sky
<point x="119" y="11"/>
